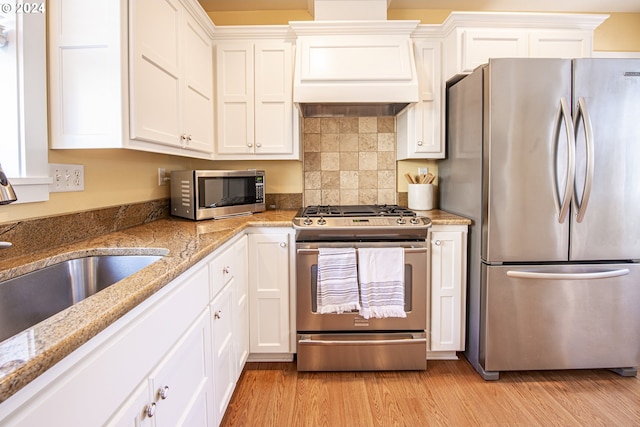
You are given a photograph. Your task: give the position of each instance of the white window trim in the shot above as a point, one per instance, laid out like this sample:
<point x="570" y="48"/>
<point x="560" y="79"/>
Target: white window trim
<point x="31" y="39"/>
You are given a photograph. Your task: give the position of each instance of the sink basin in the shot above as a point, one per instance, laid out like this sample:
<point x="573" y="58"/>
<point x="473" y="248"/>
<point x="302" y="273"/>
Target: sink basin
<point x="36" y="296"/>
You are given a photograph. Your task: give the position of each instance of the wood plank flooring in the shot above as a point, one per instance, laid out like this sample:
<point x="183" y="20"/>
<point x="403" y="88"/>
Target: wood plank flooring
<point x="448" y="393"/>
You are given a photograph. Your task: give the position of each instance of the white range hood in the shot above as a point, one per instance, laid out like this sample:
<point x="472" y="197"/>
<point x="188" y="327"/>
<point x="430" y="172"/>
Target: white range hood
<point x="353" y="67"/>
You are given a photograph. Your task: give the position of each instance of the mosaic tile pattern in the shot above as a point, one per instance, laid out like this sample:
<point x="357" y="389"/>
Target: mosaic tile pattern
<point x="349" y="161"/>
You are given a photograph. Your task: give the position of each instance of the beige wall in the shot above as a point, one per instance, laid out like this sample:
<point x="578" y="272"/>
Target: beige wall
<point x="115" y="177"/>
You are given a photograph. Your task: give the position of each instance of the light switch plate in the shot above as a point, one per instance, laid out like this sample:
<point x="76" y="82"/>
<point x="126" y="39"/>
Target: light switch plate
<point x="66" y="178"/>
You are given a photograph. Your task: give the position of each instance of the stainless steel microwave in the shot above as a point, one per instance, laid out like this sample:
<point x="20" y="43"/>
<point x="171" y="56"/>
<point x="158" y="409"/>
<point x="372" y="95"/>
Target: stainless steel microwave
<point x="207" y="194"/>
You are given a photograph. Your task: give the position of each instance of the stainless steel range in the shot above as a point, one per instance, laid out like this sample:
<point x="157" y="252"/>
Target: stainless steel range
<point x="345" y="341"/>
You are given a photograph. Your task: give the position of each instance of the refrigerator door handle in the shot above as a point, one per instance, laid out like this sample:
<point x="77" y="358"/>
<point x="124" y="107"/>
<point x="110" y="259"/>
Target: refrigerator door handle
<point x="568" y="276"/>
<point x="564" y="116"/>
<point x="588" y="132"/>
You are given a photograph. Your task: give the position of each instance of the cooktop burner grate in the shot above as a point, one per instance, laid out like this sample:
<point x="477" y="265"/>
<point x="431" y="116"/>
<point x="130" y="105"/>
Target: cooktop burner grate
<point x="354" y="210"/>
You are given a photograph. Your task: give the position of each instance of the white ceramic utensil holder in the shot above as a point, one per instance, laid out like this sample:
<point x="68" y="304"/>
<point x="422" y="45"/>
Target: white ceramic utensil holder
<point x="420" y="197"/>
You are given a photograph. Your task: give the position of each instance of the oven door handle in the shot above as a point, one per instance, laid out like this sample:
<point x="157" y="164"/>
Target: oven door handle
<point x="361" y="342"/>
<point x="406" y="250"/>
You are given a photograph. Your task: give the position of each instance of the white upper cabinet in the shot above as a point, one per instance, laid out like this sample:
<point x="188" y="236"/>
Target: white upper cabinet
<point x="135" y="75"/>
<point x="254" y="81"/>
<point x="471" y="38"/>
<point x="420" y="127"/>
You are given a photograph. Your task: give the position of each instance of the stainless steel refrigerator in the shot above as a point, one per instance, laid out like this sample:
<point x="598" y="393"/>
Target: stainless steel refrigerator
<point x="544" y="157"/>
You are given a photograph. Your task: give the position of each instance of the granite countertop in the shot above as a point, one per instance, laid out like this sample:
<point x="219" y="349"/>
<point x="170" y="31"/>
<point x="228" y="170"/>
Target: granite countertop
<point x="29" y="354"/>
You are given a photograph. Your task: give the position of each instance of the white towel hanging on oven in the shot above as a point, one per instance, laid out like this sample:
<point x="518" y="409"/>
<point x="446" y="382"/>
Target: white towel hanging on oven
<point x="337" y="280"/>
<point x="381" y="282"/>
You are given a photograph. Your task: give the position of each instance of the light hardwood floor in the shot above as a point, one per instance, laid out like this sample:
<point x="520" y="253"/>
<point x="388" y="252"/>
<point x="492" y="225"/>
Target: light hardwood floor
<point x="448" y="393"/>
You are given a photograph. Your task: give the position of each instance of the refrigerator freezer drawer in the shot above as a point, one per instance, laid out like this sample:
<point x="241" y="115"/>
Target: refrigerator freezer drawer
<point x="561" y="317"/>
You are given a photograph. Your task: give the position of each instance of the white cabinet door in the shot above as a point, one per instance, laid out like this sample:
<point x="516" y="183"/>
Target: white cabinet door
<point x="235" y="98"/>
<point x="223" y="360"/>
<point x="419" y="127"/>
<point x="135" y="411"/>
<point x="273" y="98"/>
<point x="155" y="69"/>
<point x="448" y="283"/>
<point x="269" y="292"/>
<point x="241" y="308"/>
<point x="478" y="45"/>
<point x="197" y="87"/>
<point x="255" y="115"/>
<point x="182" y="385"/>
<point x="87" y="72"/>
<point x="171" y="77"/>
<point x="561" y="44"/>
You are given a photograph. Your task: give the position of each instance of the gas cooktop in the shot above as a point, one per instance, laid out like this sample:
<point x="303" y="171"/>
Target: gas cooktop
<point x="354" y="211"/>
<point x="359" y="222"/>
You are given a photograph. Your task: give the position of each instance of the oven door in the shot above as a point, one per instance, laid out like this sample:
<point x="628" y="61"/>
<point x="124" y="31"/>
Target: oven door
<point x="416" y="284"/>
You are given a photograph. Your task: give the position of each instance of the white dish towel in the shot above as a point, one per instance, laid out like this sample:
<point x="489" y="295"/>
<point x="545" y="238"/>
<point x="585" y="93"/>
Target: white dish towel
<point x="381" y="282"/>
<point x="337" y="280"/>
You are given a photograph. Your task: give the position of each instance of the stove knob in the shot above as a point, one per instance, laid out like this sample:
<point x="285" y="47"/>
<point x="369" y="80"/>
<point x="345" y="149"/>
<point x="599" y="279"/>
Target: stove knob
<point x="401" y="220"/>
<point x="322" y="221"/>
<point x="414" y="220"/>
<point x="307" y="221"/>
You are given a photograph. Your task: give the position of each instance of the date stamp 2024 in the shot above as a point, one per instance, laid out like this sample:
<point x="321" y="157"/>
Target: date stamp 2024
<point x="19" y="7"/>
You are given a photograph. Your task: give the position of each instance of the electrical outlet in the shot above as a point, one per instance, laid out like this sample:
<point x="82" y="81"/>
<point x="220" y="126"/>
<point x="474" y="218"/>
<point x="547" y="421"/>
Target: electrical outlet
<point x="423" y="171"/>
<point x="66" y="178"/>
<point x="162" y="176"/>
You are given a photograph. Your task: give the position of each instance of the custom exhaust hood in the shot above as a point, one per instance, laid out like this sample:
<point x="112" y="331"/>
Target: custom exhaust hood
<point x="348" y="66"/>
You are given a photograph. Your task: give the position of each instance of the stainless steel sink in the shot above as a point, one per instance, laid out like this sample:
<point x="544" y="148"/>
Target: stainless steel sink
<point x="36" y="296"/>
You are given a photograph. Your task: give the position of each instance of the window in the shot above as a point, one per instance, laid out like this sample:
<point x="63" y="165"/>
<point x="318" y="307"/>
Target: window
<point x="23" y="113"/>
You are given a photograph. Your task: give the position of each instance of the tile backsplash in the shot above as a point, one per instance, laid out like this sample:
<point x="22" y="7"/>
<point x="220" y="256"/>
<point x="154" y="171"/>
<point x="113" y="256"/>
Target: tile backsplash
<point x="349" y="161"/>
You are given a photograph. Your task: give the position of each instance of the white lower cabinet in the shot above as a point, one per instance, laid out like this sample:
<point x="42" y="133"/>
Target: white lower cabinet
<point x="270" y="278"/>
<point x="223" y="355"/>
<point x="179" y="391"/>
<point x="229" y="320"/>
<point x="174" y="360"/>
<point x="448" y="290"/>
<point x="105" y="377"/>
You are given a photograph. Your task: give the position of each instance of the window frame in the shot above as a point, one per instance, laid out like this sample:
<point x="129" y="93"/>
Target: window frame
<point x="33" y="138"/>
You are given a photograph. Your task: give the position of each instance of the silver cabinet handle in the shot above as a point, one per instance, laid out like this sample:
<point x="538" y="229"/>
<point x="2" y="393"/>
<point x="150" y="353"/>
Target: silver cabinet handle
<point x="588" y="133"/>
<point x="151" y="410"/>
<point x="419" y="143"/>
<point x="249" y="144"/>
<point x="437" y="243"/>
<point x="226" y="269"/>
<point x="283" y="244"/>
<point x="163" y="392"/>
<point x="258" y="145"/>
<point x="568" y="276"/>
<point x="5" y="245"/>
<point x="217" y="314"/>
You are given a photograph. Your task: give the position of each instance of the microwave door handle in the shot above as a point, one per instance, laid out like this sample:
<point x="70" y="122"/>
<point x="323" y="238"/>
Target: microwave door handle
<point x="564" y="116"/>
<point x="583" y="112"/>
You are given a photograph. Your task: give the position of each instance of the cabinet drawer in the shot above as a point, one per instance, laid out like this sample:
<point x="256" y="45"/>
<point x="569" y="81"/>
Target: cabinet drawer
<point x="221" y="271"/>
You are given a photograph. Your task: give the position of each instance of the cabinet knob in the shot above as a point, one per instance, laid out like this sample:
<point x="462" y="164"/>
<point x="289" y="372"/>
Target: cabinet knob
<point x="183" y="137"/>
<point x="249" y="144"/>
<point x="420" y="143"/>
<point x="258" y="145"/>
<point x="283" y="244"/>
<point x="217" y="315"/>
<point x="189" y="138"/>
<point x="163" y="392"/>
<point x="151" y="409"/>
<point x="226" y="269"/>
<point x="437" y="243"/>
